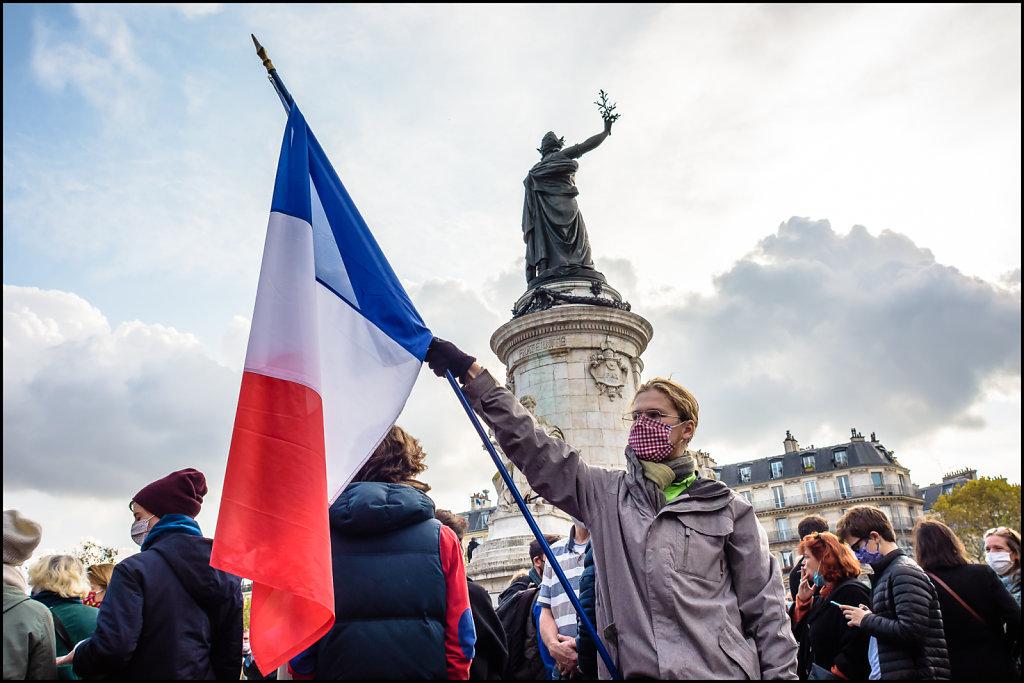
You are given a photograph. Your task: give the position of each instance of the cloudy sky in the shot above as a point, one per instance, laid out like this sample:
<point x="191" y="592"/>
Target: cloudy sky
<point x="816" y="206"/>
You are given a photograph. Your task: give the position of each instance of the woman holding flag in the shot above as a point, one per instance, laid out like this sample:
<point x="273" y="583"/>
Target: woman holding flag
<point x="697" y="594"/>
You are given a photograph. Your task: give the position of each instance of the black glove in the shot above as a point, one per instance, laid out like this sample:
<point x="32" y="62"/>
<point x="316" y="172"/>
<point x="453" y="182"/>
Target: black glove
<point x="443" y="355"/>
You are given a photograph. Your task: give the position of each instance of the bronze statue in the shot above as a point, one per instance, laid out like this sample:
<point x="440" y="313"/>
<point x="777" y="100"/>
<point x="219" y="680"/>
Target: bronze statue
<point x="556" y="237"/>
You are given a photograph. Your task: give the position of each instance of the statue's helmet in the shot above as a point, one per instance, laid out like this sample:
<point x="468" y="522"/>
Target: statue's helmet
<point x="550" y="143"/>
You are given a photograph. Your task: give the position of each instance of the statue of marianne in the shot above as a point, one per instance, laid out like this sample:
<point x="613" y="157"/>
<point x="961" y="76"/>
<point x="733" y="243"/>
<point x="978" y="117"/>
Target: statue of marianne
<point x="556" y="237"/>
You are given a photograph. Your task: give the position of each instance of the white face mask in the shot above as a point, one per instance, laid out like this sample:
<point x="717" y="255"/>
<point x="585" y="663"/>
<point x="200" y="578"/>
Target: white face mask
<point x="1000" y="562"/>
<point x="140" y="529"/>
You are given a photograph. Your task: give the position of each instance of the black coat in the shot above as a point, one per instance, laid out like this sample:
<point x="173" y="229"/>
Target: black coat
<point x="826" y="638"/>
<point x="586" y="648"/>
<point x="167" y="614"/>
<point x="491" y="649"/>
<point x="978" y="651"/>
<point x="906" y="620"/>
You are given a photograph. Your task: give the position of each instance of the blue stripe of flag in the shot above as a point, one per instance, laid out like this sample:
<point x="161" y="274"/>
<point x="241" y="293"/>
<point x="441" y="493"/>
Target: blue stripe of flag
<point x="351" y="264"/>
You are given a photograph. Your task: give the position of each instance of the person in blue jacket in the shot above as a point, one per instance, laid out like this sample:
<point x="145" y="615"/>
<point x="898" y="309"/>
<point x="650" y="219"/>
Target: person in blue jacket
<point x="167" y="614"/>
<point x="401" y="600"/>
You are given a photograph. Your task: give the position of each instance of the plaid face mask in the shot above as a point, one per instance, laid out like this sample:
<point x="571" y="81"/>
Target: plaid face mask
<point x="649" y="439"/>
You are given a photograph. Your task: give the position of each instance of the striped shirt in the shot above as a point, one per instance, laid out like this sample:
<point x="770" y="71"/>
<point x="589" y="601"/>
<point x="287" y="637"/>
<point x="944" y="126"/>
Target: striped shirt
<point x="570" y="556"/>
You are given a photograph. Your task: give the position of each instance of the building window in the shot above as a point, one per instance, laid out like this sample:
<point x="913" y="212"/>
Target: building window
<point x="746" y="494"/>
<point x="903" y="484"/>
<point x="780" y="499"/>
<point x="876" y="479"/>
<point x="844" y="486"/>
<point x="811" y="489"/>
<point x="808" y="463"/>
<point x="787" y="559"/>
<point x="745" y="474"/>
<point x="839" y="458"/>
<point x="782" y="525"/>
<point x="777" y="469"/>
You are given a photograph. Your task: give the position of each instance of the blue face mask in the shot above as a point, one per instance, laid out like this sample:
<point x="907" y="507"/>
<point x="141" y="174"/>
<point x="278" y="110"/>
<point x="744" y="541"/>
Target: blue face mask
<point x="819" y="580"/>
<point x="865" y="556"/>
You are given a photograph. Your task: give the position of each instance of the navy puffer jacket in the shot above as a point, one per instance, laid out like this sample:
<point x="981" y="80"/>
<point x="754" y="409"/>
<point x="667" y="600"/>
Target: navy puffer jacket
<point x="906" y="620"/>
<point x="389" y="588"/>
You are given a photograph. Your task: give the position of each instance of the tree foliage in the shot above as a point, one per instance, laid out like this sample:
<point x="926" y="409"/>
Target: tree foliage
<point x="90" y="552"/>
<point x="970" y="510"/>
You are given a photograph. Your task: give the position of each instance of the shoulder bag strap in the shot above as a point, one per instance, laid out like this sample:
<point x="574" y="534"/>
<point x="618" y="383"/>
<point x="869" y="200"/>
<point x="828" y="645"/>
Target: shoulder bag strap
<point x="62" y="633"/>
<point x="958" y="598"/>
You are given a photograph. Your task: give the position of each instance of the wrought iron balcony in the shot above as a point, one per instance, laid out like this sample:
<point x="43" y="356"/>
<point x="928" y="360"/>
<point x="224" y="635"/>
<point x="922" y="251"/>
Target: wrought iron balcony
<point x="838" y="495"/>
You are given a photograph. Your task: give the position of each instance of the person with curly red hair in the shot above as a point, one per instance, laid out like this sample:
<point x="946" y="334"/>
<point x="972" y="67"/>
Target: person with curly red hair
<point x="829" y="648"/>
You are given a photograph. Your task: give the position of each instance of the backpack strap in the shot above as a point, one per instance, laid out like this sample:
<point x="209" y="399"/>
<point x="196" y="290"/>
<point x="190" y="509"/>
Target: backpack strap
<point x="62" y="633"/>
<point x="958" y="598"/>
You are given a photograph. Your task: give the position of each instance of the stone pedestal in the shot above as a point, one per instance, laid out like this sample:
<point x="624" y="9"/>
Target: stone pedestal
<point x="580" y="362"/>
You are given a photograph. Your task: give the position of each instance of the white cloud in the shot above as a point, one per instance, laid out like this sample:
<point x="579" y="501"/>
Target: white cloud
<point x="194" y="10"/>
<point x="817" y="332"/>
<point x="116" y="408"/>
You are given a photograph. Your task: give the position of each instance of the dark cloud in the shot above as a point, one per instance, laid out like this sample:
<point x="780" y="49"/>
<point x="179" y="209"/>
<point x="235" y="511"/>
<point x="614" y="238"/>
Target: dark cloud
<point x="818" y="328"/>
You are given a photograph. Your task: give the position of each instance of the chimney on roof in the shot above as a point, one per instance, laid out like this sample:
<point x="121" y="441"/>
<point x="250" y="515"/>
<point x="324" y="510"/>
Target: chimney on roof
<point x="965" y="473"/>
<point x="874" y="439"/>
<point x="480" y="500"/>
<point x="790" y="443"/>
<point x="855" y="435"/>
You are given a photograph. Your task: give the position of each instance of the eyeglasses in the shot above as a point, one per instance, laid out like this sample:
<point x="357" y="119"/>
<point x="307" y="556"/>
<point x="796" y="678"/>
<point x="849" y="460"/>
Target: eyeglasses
<point x="858" y="542"/>
<point x="652" y="414"/>
<point x="995" y="530"/>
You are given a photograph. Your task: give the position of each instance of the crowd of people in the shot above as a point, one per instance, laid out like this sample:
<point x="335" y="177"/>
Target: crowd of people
<point x="671" y="568"/>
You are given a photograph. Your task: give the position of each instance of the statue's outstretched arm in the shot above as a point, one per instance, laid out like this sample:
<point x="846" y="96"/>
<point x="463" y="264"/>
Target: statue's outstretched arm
<point x="590" y="143"/>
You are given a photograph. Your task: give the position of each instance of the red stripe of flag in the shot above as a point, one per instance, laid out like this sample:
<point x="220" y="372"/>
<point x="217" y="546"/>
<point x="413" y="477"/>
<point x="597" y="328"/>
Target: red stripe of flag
<point x="277" y="454"/>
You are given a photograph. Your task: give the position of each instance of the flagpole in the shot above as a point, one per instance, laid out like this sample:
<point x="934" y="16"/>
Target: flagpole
<point x="552" y="562"/>
<point x="286" y="102"/>
<point x="275" y="78"/>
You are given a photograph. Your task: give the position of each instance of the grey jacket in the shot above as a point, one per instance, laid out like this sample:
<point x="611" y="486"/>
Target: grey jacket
<point x="30" y="651"/>
<point x="685" y="590"/>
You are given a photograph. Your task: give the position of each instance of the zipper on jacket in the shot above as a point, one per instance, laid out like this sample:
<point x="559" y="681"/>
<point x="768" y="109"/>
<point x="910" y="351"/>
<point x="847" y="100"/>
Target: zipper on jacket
<point x="686" y="548"/>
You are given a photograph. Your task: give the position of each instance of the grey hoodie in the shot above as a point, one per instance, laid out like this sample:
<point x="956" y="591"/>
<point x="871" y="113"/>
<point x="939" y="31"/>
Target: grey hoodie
<point x="685" y="589"/>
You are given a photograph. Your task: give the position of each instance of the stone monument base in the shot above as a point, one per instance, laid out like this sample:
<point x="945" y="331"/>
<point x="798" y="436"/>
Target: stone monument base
<point x="507" y="550"/>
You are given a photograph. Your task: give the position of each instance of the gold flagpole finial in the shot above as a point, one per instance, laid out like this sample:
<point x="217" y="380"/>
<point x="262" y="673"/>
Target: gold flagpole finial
<point x="262" y="53"/>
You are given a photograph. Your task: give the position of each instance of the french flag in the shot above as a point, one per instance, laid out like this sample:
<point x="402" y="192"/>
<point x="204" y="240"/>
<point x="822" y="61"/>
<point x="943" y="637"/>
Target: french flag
<point x="334" y="349"/>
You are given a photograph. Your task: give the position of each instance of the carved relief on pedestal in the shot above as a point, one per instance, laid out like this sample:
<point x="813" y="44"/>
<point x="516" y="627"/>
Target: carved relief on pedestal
<point x="505" y="499"/>
<point x="610" y="369"/>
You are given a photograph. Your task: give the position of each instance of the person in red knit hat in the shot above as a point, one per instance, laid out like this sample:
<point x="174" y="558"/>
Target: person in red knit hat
<point x="167" y="613"/>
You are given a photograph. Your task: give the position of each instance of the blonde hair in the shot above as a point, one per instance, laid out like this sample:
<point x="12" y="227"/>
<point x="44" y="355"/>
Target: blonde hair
<point x="683" y="400"/>
<point x="62" y="574"/>
<point x="100" y="574"/>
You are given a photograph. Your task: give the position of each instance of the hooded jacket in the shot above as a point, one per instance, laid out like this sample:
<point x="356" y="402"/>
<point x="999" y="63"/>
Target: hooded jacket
<point x="167" y="614"/>
<point x="696" y="592"/>
<point x="401" y="601"/>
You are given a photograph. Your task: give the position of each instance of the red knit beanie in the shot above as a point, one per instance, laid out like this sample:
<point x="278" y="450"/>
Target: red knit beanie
<point x="179" y="492"/>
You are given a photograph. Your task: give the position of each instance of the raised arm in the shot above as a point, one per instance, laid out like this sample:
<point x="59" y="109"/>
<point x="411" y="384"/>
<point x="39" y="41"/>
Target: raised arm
<point x="553" y="468"/>
<point x="590" y="143"/>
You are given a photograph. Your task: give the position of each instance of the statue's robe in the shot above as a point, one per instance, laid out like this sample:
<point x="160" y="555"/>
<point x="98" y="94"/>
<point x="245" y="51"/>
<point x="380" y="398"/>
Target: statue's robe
<point x="553" y="227"/>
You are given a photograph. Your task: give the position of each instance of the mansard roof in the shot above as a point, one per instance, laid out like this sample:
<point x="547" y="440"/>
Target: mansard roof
<point x="858" y="454"/>
<point x="478" y="518"/>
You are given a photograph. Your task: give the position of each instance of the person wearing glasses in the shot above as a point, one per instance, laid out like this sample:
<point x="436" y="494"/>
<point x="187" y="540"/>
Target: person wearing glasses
<point x="686" y="587"/>
<point x="1002" y="553"/>
<point x="904" y="621"/>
